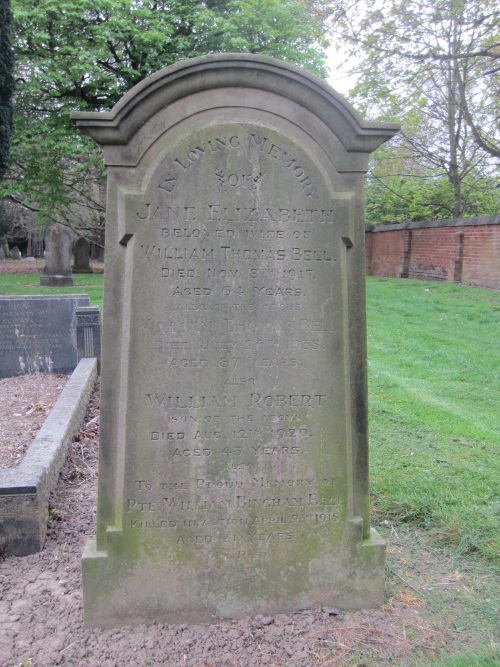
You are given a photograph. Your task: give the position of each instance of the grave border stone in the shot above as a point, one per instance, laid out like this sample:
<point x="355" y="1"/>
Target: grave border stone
<point x="25" y="489"/>
<point x="324" y="120"/>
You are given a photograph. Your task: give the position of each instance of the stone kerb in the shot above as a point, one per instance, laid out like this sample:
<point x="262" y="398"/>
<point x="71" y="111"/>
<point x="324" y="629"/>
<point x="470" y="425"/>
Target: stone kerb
<point x="25" y="490"/>
<point x="233" y="473"/>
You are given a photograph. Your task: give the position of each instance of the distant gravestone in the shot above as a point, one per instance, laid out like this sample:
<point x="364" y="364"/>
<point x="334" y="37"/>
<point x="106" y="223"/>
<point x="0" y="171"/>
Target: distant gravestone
<point x="81" y="256"/>
<point x="38" y="333"/>
<point x="58" y="246"/>
<point x="234" y="471"/>
<point x="15" y="253"/>
<point x="2" y="254"/>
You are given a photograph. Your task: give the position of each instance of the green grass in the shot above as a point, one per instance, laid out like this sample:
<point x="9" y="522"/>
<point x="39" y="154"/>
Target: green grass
<point x="29" y="283"/>
<point x="469" y="660"/>
<point x="434" y="388"/>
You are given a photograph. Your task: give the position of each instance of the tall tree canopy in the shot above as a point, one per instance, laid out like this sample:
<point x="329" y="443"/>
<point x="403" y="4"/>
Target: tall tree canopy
<point x="434" y="65"/>
<point x="6" y="85"/>
<point x="85" y="54"/>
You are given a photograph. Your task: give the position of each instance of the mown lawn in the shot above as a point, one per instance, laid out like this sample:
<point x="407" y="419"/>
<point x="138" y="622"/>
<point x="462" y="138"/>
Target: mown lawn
<point x="434" y="388"/>
<point x="29" y="283"/>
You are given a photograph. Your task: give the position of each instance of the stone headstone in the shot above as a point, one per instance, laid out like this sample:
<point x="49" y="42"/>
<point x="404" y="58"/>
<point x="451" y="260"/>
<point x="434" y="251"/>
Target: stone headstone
<point x="15" y="253"/>
<point x="38" y="333"/>
<point x="58" y="246"/>
<point x="81" y="256"/>
<point x="233" y="477"/>
<point x="88" y="332"/>
<point x="2" y="254"/>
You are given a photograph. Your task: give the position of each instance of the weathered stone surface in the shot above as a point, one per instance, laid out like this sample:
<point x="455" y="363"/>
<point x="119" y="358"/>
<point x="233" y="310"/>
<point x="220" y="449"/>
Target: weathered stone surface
<point x="15" y="253"/>
<point x="38" y="333"/>
<point x="81" y="256"/>
<point x="58" y="246"/>
<point x="2" y="254"/>
<point x="233" y="476"/>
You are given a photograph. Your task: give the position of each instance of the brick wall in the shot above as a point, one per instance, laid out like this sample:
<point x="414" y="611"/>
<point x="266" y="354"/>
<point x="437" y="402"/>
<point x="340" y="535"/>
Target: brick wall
<point x="463" y="251"/>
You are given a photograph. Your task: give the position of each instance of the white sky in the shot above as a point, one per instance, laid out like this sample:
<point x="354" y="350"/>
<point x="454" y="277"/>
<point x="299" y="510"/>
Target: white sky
<point x="337" y="78"/>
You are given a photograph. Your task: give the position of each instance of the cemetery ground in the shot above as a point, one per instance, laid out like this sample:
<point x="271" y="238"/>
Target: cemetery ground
<point x="434" y="432"/>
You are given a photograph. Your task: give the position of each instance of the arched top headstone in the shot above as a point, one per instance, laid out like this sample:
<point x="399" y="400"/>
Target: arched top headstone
<point x="81" y="256"/>
<point x="234" y="472"/>
<point x="234" y="81"/>
<point x="58" y="246"/>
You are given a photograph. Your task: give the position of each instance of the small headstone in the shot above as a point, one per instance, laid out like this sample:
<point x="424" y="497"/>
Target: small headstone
<point x="2" y="254"/>
<point x="58" y="246"/>
<point x="38" y="333"/>
<point x="233" y="476"/>
<point x="81" y="256"/>
<point x="88" y="332"/>
<point x="15" y="253"/>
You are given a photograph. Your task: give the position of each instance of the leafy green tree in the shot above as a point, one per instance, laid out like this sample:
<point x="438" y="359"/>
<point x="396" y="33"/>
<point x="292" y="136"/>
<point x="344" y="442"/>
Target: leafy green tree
<point x="85" y="54"/>
<point x="435" y="65"/>
<point x="6" y="85"/>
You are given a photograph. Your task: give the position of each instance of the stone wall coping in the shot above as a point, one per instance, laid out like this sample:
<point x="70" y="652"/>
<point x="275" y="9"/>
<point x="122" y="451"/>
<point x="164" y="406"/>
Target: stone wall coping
<point x="36" y="297"/>
<point x="429" y="224"/>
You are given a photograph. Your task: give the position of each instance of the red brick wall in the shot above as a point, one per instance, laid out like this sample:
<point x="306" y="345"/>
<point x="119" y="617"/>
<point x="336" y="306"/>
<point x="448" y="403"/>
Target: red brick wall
<point x="466" y="251"/>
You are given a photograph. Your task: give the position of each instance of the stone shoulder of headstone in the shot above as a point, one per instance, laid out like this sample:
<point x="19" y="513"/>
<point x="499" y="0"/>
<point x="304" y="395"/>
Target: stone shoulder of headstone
<point x="234" y="453"/>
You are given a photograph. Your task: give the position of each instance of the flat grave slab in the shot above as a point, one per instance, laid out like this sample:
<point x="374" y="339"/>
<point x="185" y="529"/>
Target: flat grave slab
<point x="38" y="333"/>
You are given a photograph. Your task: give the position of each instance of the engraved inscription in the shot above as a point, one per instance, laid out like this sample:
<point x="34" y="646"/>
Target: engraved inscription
<point x="236" y="238"/>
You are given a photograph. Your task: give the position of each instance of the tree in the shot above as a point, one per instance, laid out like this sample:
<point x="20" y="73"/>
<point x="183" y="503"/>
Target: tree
<point x="6" y="85"/>
<point x="85" y="54"/>
<point x="433" y="64"/>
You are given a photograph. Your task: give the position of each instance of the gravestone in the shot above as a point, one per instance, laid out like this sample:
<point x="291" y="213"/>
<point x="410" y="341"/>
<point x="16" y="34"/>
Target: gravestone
<point x="81" y="256"/>
<point x="2" y="254"/>
<point x="88" y="332"/>
<point x="15" y="253"/>
<point x="58" y="246"/>
<point x="38" y="333"/>
<point x="233" y="475"/>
